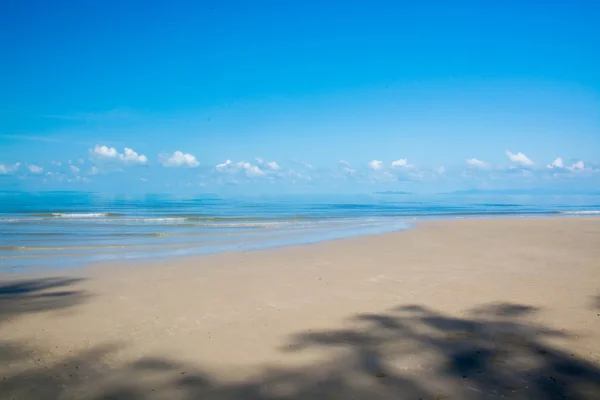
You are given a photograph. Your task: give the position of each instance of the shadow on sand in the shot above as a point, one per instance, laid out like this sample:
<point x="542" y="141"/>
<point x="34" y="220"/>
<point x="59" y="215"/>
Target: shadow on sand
<point x="18" y="297"/>
<point x="410" y="352"/>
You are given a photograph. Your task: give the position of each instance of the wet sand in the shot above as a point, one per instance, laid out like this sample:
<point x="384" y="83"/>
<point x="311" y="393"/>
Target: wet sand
<point x="463" y="309"/>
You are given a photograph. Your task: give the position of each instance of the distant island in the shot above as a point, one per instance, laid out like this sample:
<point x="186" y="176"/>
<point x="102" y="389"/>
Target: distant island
<point x="392" y="192"/>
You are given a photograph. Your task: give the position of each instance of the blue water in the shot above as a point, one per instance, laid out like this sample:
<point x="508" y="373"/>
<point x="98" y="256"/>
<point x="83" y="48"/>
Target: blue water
<point x="65" y="229"/>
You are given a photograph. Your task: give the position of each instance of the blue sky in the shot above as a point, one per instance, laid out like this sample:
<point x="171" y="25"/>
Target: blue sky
<point x="351" y="96"/>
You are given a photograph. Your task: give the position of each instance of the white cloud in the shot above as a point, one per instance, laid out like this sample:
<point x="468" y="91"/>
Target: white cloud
<point x="9" y="169"/>
<point x="129" y="156"/>
<point x="221" y="167"/>
<point x="575" y="167"/>
<point x="250" y="170"/>
<point x="347" y="167"/>
<point x="475" y="162"/>
<point x="400" y="163"/>
<point x="35" y="169"/>
<point x="375" y="165"/>
<point x="178" y="159"/>
<point x="558" y="163"/>
<point x="267" y="169"/>
<point x="273" y="166"/>
<point x="105" y="152"/>
<point x="80" y="161"/>
<point x="57" y="163"/>
<point x="579" y="165"/>
<point x="105" y="159"/>
<point x="400" y="170"/>
<point x="519" y="158"/>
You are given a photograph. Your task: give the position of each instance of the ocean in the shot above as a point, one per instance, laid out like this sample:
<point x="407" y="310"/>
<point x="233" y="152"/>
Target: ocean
<point x="55" y="230"/>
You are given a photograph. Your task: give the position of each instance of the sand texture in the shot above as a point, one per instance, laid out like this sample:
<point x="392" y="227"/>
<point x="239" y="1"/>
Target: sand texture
<point x="464" y="309"/>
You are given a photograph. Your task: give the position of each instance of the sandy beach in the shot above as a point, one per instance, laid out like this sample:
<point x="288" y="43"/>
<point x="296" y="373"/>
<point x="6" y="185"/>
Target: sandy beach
<point x="461" y="309"/>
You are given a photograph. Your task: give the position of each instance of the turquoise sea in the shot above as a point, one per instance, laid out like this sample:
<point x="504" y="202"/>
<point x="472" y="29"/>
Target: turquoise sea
<point x="54" y="230"/>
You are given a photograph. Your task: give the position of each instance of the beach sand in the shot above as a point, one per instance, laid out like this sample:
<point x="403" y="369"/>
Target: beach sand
<point x="462" y="309"/>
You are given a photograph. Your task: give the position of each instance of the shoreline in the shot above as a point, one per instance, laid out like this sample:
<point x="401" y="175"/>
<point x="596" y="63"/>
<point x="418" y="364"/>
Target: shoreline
<point x="470" y="309"/>
<point x="74" y="266"/>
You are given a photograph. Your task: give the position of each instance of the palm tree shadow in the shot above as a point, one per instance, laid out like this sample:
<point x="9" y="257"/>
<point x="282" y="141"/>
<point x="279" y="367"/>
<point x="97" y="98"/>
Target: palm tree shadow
<point x="493" y="352"/>
<point x="19" y="297"/>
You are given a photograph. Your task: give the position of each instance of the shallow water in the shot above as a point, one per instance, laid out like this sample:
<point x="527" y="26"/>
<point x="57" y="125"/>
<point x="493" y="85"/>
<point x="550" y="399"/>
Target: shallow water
<point x="40" y="230"/>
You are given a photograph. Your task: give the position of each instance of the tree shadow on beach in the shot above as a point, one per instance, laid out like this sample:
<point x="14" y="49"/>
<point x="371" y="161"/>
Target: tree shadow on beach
<point x="410" y="352"/>
<point x="493" y="350"/>
<point x="25" y="296"/>
<point x="19" y="297"/>
<point x="596" y="302"/>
